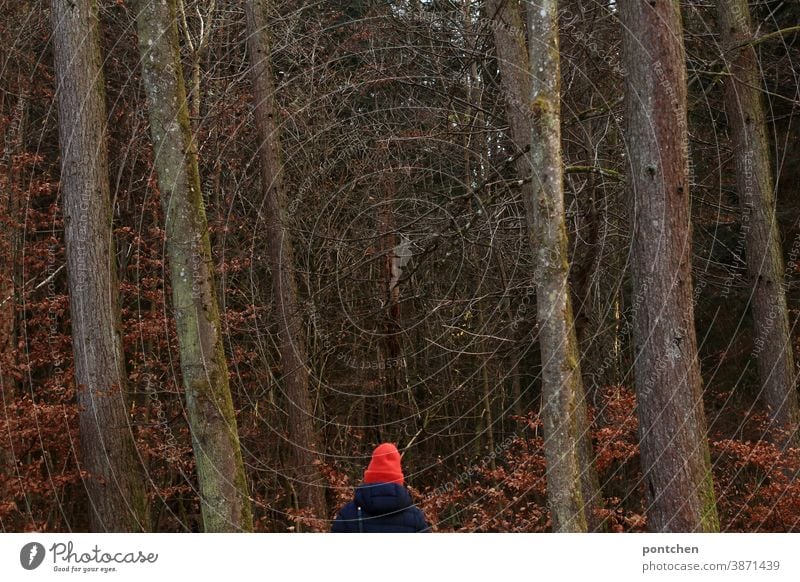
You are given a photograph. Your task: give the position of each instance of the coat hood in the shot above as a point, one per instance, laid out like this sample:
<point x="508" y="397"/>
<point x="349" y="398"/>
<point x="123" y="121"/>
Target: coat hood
<point x="382" y="498"/>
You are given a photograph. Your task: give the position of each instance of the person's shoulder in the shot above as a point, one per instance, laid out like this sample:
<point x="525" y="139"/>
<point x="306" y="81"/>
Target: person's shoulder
<point x="420" y="523"/>
<point x="344" y="519"/>
<point x="348" y="511"/>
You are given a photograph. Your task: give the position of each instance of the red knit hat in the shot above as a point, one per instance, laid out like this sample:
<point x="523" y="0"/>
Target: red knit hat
<point x="384" y="466"/>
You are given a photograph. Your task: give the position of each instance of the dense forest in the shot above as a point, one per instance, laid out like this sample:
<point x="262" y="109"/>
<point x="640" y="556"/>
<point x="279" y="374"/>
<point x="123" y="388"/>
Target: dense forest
<point x="550" y="249"/>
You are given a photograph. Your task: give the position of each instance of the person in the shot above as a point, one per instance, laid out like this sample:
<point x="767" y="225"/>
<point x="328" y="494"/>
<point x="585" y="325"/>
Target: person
<point x="381" y="503"/>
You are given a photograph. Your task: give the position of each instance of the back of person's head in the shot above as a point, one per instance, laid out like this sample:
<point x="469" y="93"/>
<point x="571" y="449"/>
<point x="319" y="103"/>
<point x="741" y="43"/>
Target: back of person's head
<point x="385" y="466"/>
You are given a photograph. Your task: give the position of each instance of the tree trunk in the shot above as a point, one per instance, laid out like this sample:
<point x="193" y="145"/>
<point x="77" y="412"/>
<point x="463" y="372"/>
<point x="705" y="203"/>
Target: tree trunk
<point x="13" y="144"/>
<point x="220" y="471"/>
<point x="13" y="136"/>
<point x="531" y="81"/>
<point x="115" y="484"/>
<point x="748" y="130"/>
<point x="674" y="450"/>
<point x="484" y="440"/>
<point x="389" y="289"/>
<point x="310" y="485"/>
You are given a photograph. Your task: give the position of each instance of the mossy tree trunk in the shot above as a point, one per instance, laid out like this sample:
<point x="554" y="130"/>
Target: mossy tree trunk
<point x="116" y="480"/>
<point x="224" y="495"/>
<point x="531" y="81"/>
<point x="309" y="484"/>
<point x="755" y="189"/>
<point x="672" y="426"/>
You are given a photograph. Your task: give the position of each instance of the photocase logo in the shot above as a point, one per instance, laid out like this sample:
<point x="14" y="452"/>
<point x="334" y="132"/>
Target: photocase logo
<point x="31" y="555"/>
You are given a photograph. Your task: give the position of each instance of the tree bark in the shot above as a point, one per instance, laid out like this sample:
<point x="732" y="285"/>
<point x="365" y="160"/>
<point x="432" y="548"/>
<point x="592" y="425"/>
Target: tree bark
<point x="309" y="484"/>
<point x="13" y="144"/>
<point x="755" y="188"/>
<point x="115" y="484"/>
<point x="389" y="289"/>
<point x="224" y="495"/>
<point x="531" y="83"/>
<point x="672" y="426"/>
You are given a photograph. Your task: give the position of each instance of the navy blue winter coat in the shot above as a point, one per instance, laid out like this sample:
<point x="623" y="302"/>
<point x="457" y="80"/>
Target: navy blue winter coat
<point x="380" y="508"/>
